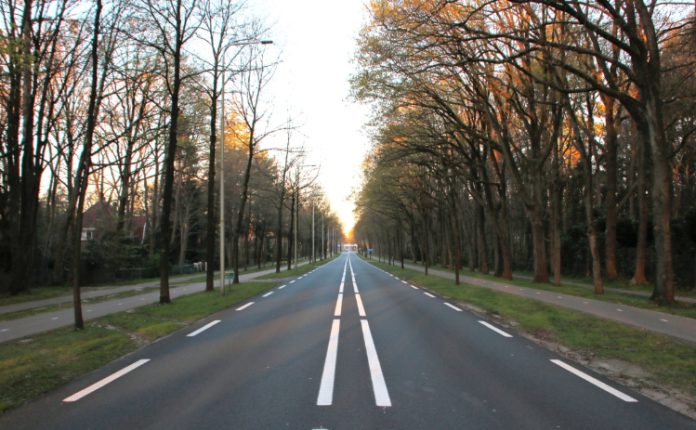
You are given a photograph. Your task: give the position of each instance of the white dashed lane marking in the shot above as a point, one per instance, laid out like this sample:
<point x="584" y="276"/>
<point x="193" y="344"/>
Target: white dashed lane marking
<point x="597" y="383"/>
<point x="453" y="307"/>
<point x="109" y="379"/>
<point x="241" y="308"/>
<point x="495" y="329"/>
<point x="202" y="329"/>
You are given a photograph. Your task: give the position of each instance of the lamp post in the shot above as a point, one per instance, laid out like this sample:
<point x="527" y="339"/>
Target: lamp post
<point x="222" y="159"/>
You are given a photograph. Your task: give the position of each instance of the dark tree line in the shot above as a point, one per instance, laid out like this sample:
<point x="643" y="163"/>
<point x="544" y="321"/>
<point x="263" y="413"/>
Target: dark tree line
<point x="110" y="126"/>
<point x="551" y="136"/>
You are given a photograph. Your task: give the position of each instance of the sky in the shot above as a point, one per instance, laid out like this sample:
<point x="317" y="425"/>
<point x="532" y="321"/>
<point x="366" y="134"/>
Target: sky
<point x="316" y="42"/>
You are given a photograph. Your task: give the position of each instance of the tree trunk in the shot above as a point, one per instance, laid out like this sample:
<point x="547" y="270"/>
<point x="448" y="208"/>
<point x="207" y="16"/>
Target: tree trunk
<point x="610" y="120"/>
<point x="24" y="246"/>
<point x="210" y="216"/>
<point x="541" y="267"/>
<point x="481" y="244"/>
<point x="84" y="169"/>
<point x="165" y="221"/>
<point x="242" y="206"/>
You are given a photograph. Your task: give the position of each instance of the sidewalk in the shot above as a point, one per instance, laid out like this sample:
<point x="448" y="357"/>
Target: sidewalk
<point x="612" y="290"/>
<point x="92" y="292"/>
<point x="27" y="326"/>
<point x="658" y="322"/>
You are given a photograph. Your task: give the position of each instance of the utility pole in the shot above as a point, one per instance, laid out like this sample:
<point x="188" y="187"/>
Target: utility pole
<point x="297" y="215"/>
<point x="314" y="258"/>
<point x="222" y="184"/>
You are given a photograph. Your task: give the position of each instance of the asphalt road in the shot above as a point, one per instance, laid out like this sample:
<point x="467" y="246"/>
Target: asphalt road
<point x="360" y="350"/>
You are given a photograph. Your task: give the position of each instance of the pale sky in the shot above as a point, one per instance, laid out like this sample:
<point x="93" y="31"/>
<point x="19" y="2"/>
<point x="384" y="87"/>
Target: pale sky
<point x="316" y="43"/>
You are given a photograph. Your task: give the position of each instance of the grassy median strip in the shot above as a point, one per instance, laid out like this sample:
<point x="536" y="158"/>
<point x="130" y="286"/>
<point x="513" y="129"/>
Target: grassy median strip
<point x="667" y="362"/>
<point x="32" y="366"/>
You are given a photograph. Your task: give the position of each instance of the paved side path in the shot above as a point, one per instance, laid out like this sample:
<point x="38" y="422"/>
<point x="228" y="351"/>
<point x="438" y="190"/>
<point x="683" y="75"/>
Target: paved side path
<point x="27" y="326"/>
<point x="658" y="322"/>
<point x="610" y="289"/>
<point x="92" y="292"/>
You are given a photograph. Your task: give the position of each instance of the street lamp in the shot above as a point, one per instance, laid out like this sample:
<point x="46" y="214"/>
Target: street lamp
<point x="222" y="160"/>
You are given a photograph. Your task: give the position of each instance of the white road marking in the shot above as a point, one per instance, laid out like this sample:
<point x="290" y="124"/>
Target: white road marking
<point x="267" y="294"/>
<point x="361" y="308"/>
<point x="109" y="379"/>
<point x="4" y="330"/>
<point x="379" y="386"/>
<point x="404" y="282"/>
<point x="325" y="397"/>
<point x="663" y="320"/>
<point x="202" y="329"/>
<point x="282" y="286"/>
<point x="585" y="303"/>
<point x="597" y="383"/>
<point x="54" y="318"/>
<point x="292" y="282"/>
<point x="453" y="307"/>
<point x="413" y="286"/>
<point x="495" y="329"/>
<point x="339" y="305"/>
<point x="241" y="308"/>
<point x="429" y="295"/>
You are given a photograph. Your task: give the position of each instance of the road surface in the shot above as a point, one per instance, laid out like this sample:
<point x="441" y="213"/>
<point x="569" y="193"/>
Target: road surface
<point x="345" y="347"/>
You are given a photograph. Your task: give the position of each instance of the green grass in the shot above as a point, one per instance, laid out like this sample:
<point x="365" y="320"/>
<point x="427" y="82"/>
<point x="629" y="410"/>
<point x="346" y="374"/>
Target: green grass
<point x="683" y="309"/>
<point x="669" y="362"/>
<point x="32" y="366"/>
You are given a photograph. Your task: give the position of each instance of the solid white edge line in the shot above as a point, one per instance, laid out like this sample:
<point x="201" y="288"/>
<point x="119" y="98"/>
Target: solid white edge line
<point x="202" y="329"/>
<point x="597" y="383"/>
<point x="429" y="295"/>
<point x="109" y="379"/>
<point x="495" y="329"/>
<point x="241" y="308"/>
<point x="267" y="294"/>
<point x="361" y="308"/>
<point x="453" y="307"/>
<point x="326" y="387"/>
<point x="339" y="305"/>
<point x="379" y="386"/>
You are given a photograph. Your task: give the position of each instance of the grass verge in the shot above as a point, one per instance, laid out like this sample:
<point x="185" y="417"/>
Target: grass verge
<point x="32" y="366"/>
<point x="654" y="362"/>
<point x="684" y="309"/>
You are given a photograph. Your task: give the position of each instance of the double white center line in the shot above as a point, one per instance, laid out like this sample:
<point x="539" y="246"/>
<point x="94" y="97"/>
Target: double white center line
<point x="379" y="386"/>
